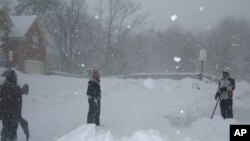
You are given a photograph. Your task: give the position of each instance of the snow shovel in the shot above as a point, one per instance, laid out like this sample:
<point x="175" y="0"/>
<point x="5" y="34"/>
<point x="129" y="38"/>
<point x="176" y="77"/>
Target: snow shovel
<point x="25" y="126"/>
<point x="218" y="99"/>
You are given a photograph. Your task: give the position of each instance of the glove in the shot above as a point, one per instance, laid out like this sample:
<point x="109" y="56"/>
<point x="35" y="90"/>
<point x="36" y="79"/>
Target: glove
<point x="223" y="89"/>
<point x="25" y="89"/>
<point x="217" y="95"/>
<point x="230" y="94"/>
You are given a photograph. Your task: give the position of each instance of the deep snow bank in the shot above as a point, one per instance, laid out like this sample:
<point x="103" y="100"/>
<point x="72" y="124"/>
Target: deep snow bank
<point x="204" y="129"/>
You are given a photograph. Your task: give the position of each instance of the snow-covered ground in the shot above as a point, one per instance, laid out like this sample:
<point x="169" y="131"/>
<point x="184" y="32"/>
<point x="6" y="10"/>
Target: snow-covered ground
<point x="132" y="110"/>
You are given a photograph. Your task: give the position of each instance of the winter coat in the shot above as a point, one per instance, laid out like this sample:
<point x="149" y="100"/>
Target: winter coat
<point x="226" y="86"/>
<point x="10" y="100"/>
<point x="94" y="90"/>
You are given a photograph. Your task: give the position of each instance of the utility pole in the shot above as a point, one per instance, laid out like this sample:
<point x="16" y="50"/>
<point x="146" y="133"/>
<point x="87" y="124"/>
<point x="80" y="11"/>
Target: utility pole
<point x="203" y="59"/>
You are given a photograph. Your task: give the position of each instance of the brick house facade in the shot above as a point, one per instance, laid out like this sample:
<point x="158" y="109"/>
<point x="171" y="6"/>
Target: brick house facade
<point x="24" y="44"/>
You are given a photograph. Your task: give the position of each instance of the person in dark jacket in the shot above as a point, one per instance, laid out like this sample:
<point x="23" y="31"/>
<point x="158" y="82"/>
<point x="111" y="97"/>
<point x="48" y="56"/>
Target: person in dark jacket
<point x="94" y="98"/>
<point x="11" y="106"/>
<point x="225" y="93"/>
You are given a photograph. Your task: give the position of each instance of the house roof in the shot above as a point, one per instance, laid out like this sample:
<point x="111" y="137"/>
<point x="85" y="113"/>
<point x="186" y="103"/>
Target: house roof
<point x="21" y="25"/>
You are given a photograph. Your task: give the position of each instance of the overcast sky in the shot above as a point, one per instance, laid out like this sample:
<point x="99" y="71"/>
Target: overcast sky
<point x="192" y="14"/>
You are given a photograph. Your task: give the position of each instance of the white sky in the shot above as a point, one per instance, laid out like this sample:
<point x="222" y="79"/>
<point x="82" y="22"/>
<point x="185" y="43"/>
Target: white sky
<point x="192" y="14"/>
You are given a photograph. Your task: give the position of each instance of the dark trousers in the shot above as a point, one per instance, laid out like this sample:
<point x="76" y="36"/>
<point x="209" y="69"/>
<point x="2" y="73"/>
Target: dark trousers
<point x="226" y="107"/>
<point x="94" y="112"/>
<point x="9" y="130"/>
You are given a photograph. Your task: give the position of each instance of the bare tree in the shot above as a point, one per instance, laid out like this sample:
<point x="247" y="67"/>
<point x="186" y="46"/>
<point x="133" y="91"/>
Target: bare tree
<point x="118" y="17"/>
<point x="229" y="43"/>
<point x="37" y="7"/>
<point x="4" y="3"/>
<point x="65" y="25"/>
<point x="8" y="5"/>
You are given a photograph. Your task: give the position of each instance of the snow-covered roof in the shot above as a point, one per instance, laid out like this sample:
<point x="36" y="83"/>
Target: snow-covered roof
<point x="21" y="25"/>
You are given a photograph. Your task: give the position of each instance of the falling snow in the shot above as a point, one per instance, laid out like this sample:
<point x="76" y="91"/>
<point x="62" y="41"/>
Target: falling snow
<point x="177" y="59"/>
<point x="181" y="111"/>
<point x="201" y="8"/>
<point x="174" y="17"/>
<point x="97" y="17"/>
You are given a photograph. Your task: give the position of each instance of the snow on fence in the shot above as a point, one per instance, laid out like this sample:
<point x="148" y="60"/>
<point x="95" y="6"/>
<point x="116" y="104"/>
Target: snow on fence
<point x="176" y="76"/>
<point x="64" y="74"/>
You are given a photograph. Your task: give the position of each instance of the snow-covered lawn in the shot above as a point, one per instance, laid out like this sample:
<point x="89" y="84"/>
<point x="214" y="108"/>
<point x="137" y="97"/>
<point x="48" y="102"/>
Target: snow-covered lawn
<point x="132" y="110"/>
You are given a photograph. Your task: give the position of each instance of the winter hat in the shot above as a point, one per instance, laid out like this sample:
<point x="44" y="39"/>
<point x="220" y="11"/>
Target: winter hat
<point x="95" y="75"/>
<point x="10" y="75"/>
<point x="226" y="70"/>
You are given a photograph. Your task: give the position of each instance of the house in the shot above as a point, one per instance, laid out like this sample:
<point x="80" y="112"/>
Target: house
<point x="22" y="43"/>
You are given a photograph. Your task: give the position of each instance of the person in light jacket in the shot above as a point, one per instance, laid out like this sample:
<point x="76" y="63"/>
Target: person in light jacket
<point x="225" y="94"/>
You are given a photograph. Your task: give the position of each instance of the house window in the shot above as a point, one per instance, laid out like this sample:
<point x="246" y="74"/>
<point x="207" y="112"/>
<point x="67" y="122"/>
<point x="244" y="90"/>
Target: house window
<point x="3" y="37"/>
<point x="35" y="41"/>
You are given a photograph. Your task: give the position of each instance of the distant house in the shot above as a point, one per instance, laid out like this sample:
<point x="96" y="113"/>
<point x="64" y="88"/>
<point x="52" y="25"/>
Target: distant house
<point x="22" y="43"/>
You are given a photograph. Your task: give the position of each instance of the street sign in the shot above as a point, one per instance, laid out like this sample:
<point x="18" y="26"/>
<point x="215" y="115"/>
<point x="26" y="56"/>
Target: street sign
<point x="203" y="55"/>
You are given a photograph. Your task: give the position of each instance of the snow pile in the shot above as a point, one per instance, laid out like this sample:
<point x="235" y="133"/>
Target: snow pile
<point x="149" y="83"/>
<point x="91" y="133"/>
<point x="87" y="133"/>
<point x="204" y="129"/>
